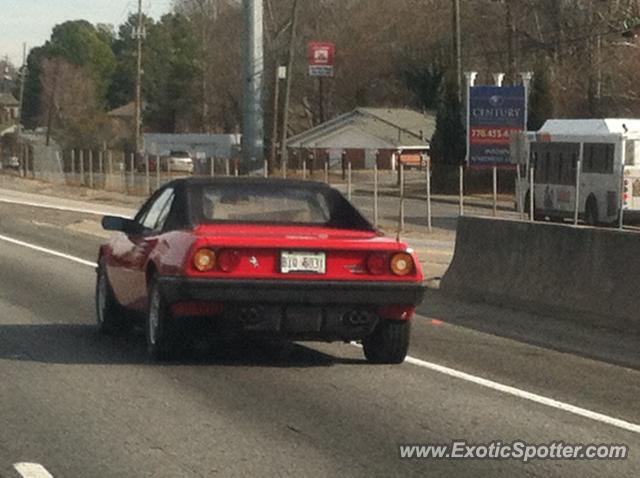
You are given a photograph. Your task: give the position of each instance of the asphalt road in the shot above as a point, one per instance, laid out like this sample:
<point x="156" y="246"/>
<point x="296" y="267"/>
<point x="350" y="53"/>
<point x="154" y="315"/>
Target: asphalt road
<point x="86" y="406"/>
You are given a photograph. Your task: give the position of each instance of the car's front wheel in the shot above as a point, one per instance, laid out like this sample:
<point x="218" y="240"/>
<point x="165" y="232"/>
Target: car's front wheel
<point x="389" y="342"/>
<point x="110" y="316"/>
<point x="159" y="326"/>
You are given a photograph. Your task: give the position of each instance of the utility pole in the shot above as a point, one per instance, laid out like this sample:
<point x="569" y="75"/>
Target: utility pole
<point x="321" y="99"/>
<point x="457" y="45"/>
<point x="253" y="118"/>
<point x="52" y="102"/>
<point x="511" y="37"/>
<point x="205" y="69"/>
<point x="287" y="93"/>
<point x="23" y="76"/>
<point x="138" y="119"/>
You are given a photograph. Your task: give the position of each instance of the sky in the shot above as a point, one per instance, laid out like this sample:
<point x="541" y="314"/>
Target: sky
<point x="31" y="21"/>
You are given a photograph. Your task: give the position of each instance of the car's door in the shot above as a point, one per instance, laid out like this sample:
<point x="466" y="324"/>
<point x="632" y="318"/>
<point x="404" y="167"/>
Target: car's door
<point x="130" y="253"/>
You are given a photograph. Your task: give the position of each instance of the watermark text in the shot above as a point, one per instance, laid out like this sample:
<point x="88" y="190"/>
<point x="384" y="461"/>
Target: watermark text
<point x="517" y="450"/>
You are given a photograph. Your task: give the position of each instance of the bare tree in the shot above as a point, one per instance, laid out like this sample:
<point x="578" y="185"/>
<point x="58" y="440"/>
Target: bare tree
<point x="591" y="67"/>
<point x="70" y="103"/>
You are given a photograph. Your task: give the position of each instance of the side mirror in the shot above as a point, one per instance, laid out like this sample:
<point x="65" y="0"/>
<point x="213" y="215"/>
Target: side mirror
<point x="121" y="224"/>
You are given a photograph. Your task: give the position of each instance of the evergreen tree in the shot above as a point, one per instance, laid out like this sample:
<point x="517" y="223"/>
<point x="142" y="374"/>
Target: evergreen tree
<point x="122" y="88"/>
<point x="540" y="100"/>
<point x="81" y="44"/>
<point x="31" y="111"/>
<point x="172" y="80"/>
<point x="448" y="145"/>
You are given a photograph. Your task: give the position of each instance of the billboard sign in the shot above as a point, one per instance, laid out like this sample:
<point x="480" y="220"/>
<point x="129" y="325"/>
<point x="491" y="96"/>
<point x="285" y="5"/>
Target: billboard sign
<point x="495" y="113"/>
<point x="322" y="57"/>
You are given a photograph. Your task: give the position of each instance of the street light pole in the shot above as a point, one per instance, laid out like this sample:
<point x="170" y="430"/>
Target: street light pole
<point x="280" y="74"/>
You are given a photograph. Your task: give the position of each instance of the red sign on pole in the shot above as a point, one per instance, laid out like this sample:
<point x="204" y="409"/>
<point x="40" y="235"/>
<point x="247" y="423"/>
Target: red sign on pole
<point x="322" y="57"/>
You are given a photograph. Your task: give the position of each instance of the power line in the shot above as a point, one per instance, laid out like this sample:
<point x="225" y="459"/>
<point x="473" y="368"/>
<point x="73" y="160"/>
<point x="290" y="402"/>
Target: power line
<point x="557" y="45"/>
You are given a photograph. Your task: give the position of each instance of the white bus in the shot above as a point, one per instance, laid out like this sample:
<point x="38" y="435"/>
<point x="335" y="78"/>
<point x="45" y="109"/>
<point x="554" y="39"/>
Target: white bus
<point x="609" y="155"/>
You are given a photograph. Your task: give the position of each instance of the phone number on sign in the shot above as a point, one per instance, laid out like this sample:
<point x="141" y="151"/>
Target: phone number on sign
<point x="491" y="135"/>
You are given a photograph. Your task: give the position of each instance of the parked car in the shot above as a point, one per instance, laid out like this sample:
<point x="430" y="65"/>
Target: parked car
<point x="266" y="257"/>
<point x="180" y="161"/>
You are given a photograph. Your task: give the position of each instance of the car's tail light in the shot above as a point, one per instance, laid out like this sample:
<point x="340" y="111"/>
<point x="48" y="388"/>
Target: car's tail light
<point x="402" y="264"/>
<point x="204" y="260"/>
<point x="377" y="264"/>
<point x="228" y="260"/>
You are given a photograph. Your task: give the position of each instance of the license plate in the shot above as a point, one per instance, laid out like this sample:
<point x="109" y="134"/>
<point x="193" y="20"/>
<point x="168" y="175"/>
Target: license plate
<point x="312" y="262"/>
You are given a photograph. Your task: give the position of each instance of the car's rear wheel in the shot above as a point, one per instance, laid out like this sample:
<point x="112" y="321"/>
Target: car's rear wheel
<point x="110" y="316"/>
<point x="159" y="326"/>
<point x="389" y="343"/>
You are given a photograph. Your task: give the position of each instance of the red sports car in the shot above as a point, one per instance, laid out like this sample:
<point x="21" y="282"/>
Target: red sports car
<point x="279" y="258"/>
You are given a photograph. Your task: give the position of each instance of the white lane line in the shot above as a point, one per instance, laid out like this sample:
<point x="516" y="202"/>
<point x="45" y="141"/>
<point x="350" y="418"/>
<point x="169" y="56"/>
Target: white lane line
<point x="516" y="392"/>
<point x="95" y="212"/>
<point x="48" y="251"/>
<point x="32" y="470"/>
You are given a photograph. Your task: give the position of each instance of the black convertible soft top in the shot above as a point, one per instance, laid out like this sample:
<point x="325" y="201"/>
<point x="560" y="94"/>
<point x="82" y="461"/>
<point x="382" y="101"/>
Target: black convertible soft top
<point x="262" y="201"/>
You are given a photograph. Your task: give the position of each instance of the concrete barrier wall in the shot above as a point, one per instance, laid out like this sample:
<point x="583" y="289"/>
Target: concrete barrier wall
<point x="583" y="274"/>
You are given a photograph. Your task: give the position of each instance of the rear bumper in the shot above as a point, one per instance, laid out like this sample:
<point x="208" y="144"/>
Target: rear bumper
<point x="181" y="167"/>
<point x="327" y="311"/>
<point x="176" y="289"/>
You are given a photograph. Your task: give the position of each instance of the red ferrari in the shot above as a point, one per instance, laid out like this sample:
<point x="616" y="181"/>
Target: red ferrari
<point x="279" y="258"/>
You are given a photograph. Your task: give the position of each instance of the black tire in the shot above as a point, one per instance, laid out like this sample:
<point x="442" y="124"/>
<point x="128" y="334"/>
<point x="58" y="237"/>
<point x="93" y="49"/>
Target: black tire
<point x="591" y="212"/>
<point x="389" y="343"/>
<point x="110" y="315"/>
<point x="159" y="326"/>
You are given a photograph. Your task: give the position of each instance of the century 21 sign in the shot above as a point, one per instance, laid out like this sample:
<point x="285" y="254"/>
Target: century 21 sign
<point x="495" y="112"/>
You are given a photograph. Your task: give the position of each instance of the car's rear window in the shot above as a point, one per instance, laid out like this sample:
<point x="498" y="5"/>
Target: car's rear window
<point x="270" y="204"/>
